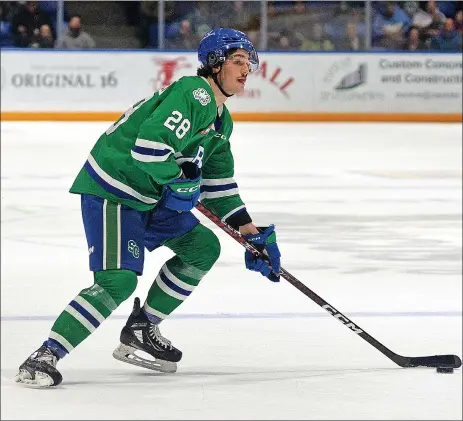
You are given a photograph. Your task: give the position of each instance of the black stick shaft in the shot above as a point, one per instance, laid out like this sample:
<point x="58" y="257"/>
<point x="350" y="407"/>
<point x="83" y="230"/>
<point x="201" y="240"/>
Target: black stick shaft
<point x="430" y="361"/>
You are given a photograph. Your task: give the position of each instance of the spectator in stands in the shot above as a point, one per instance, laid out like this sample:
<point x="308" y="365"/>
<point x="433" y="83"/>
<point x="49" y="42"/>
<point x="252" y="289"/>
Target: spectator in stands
<point x="390" y="26"/>
<point x="74" y="37"/>
<point x="272" y="9"/>
<point x="185" y="40"/>
<point x="43" y="38"/>
<point x="414" y="42"/>
<point x="411" y="8"/>
<point x="423" y="18"/>
<point x="318" y="41"/>
<point x="435" y="19"/>
<point x="25" y="21"/>
<point x="448" y="40"/>
<point x="299" y="7"/>
<point x="5" y="36"/>
<point x="131" y="11"/>
<point x="459" y="22"/>
<point x="252" y="29"/>
<point x="201" y="17"/>
<point x="234" y="14"/>
<point x="4" y="11"/>
<point x="351" y="41"/>
<point x="148" y="17"/>
<point x="286" y="42"/>
<point x="448" y="8"/>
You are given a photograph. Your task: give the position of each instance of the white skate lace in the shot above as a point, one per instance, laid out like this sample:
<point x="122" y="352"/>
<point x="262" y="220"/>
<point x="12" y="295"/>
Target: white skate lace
<point x="45" y="356"/>
<point x="156" y="334"/>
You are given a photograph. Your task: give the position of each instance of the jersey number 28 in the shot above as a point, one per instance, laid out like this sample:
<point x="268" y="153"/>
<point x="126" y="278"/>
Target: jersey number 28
<point x="172" y="123"/>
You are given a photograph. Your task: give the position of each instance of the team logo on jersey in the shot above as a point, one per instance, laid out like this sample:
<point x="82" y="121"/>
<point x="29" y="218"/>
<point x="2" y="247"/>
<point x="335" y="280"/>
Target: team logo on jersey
<point x="202" y="96"/>
<point x="133" y="248"/>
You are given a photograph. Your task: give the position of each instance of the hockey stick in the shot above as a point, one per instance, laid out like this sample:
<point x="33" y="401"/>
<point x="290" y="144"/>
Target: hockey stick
<point x="452" y="361"/>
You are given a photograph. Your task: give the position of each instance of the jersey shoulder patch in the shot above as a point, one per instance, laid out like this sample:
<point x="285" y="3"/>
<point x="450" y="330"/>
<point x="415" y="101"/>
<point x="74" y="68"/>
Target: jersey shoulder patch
<point x="202" y="96"/>
<point x="198" y="89"/>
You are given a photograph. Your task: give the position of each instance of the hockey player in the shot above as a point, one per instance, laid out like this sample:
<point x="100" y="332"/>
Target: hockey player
<point x="138" y="186"/>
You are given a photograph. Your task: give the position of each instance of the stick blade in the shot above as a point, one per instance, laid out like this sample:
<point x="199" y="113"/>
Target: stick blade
<point x="451" y="361"/>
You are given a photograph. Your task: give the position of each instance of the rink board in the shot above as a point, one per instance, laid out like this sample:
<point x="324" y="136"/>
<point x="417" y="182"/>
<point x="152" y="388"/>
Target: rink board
<point x="99" y="85"/>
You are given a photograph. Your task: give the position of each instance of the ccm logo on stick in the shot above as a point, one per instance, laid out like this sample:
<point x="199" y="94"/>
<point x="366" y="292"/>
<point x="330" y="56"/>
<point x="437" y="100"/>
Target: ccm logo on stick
<point x="342" y="319"/>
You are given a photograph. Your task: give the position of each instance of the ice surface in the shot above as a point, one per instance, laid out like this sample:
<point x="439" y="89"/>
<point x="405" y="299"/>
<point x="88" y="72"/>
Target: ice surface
<point x="367" y="215"/>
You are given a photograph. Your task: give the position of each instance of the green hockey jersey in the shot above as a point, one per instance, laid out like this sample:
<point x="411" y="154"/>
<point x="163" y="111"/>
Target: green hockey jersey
<point x="143" y="150"/>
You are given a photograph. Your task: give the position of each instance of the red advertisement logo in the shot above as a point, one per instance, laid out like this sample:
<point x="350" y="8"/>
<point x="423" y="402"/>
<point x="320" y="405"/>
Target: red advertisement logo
<point x="166" y="70"/>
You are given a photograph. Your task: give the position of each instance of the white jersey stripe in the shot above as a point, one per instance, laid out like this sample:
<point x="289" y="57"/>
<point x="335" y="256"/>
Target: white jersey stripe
<point x="144" y="143"/>
<point x="217" y="181"/>
<point x="224" y="218"/>
<point x="149" y="158"/>
<point x="117" y="184"/>
<point x="216" y="194"/>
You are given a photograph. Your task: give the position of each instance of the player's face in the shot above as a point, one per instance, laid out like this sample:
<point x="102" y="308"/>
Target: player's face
<point x="235" y="72"/>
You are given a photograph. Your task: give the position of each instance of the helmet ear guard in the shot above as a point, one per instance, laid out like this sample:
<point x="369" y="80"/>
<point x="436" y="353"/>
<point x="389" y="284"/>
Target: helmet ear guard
<point x="214" y="58"/>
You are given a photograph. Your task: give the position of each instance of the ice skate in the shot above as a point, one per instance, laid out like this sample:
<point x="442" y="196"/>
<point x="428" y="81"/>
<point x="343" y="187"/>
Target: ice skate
<point x="139" y="336"/>
<point x="39" y="370"/>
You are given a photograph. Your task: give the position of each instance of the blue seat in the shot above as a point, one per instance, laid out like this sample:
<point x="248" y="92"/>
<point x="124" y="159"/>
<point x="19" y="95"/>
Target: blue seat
<point x="170" y="31"/>
<point x="448" y="8"/>
<point x="153" y="35"/>
<point x="49" y="7"/>
<point x="6" y="39"/>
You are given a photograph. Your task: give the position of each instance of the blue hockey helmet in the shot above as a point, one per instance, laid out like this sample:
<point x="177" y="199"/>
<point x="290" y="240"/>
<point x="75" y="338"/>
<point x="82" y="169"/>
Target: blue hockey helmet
<point x="214" y="45"/>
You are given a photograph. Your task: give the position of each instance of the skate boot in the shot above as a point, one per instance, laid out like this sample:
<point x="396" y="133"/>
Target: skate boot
<point x="139" y="336"/>
<point x="39" y="370"/>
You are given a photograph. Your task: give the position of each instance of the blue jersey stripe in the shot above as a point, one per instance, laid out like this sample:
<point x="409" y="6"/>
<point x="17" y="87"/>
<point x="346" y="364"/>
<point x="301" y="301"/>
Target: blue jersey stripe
<point x="218" y="187"/>
<point x="108" y="187"/>
<point x="150" y="151"/>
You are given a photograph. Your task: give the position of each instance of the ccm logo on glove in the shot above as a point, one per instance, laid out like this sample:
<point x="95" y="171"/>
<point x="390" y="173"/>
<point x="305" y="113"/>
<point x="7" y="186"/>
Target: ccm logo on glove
<point x="187" y="189"/>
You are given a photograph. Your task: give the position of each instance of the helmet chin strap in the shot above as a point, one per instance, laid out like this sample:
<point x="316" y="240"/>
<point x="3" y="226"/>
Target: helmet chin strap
<point x="216" y="81"/>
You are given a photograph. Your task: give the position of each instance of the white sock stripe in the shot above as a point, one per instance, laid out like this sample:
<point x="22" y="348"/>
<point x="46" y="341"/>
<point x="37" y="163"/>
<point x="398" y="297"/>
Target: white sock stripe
<point x="92" y="310"/>
<point x="176" y="281"/>
<point x="81" y="319"/>
<point x="169" y="291"/>
<point x="63" y="341"/>
<point x="153" y="311"/>
<point x="224" y="218"/>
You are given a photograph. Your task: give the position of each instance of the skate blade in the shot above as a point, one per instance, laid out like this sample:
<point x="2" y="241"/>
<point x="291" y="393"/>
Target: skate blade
<point x="40" y="381"/>
<point x="127" y="354"/>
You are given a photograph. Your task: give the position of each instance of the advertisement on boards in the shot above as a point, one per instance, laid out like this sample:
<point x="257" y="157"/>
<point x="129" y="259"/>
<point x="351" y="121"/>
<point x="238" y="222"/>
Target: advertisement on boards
<point x="389" y="82"/>
<point x="107" y="81"/>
